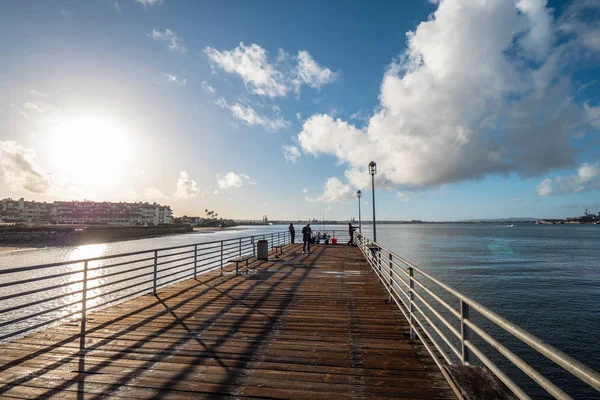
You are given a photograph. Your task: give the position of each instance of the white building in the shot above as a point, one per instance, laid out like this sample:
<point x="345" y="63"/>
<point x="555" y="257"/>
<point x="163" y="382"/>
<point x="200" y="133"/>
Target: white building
<point x="85" y="212"/>
<point x="105" y="213"/>
<point x="25" y="211"/>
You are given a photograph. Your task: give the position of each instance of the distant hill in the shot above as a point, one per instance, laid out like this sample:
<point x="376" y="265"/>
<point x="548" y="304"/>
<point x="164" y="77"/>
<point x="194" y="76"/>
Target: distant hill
<point x="515" y="219"/>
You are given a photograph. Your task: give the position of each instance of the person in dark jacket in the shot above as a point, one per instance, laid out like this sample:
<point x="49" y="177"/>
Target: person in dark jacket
<point x="292" y="232"/>
<point x="306" y="238"/>
<point x="351" y="230"/>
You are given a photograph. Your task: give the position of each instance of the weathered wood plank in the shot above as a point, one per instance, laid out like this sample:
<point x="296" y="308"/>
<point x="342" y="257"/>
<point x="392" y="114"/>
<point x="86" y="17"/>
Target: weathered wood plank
<point x="302" y="326"/>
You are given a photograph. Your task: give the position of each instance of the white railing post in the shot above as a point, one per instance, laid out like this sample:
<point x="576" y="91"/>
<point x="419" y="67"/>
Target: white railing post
<point x="240" y="247"/>
<point x="195" y="261"/>
<point x="411" y="290"/>
<point x="155" y="272"/>
<point x="221" y="257"/>
<point x="464" y="331"/>
<point x="253" y="247"/>
<point x="84" y="297"/>
<point x="271" y="241"/>
<point x="391" y="276"/>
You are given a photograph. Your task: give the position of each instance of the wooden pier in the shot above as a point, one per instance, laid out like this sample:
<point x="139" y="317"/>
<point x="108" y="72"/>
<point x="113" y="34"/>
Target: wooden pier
<point x="296" y="327"/>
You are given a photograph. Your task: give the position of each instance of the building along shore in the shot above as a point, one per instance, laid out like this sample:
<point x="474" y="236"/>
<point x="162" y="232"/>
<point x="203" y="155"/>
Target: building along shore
<point x="85" y="213"/>
<point x="57" y="235"/>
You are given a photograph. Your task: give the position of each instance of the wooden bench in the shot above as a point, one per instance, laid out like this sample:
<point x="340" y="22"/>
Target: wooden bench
<point x="278" y="248"/>
<point x="238" y="260"/>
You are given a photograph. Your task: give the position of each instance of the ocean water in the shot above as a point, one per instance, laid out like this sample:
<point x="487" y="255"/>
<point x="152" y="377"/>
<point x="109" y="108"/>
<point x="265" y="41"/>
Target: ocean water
<point x="544" y="278"/>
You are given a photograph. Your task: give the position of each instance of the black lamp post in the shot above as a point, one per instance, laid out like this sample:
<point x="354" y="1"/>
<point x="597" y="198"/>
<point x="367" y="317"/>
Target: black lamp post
<point x="358" y="195"/>
<point x="373" y="171"/>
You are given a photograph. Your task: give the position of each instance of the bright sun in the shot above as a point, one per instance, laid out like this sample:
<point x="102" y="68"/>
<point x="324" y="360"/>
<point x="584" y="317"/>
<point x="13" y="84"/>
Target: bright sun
<point x="90" y="148"/>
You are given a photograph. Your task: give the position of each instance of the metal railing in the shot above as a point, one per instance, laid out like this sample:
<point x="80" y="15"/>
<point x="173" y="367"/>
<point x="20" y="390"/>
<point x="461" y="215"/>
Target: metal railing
<point x="34" y="297"/>
<point x="451" y="330"/>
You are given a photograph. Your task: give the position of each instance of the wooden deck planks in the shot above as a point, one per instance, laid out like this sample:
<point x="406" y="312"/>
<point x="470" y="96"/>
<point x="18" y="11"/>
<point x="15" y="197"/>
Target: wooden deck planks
<point x="297" y="327"/>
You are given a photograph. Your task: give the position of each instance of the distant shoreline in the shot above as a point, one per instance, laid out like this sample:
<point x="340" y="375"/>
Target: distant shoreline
<point x="20" y="237"/>
<point x="8" y="249"/>
<point x="208" y="229"/>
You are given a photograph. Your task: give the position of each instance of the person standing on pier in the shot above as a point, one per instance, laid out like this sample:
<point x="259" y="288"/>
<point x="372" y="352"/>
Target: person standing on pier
<point x="351" y="230"/>
<point x="292" y="232"/>
<point x="306" y="237"/>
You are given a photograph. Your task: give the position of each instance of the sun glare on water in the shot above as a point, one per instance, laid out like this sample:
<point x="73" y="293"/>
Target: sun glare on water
<point x="91" y="148"/>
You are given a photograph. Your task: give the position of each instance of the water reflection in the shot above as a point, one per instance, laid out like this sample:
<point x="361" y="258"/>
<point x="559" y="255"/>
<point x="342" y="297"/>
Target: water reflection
<point x="500" y="248"/>
<point x="72" y="292"/>
<point x="87" y="251"/>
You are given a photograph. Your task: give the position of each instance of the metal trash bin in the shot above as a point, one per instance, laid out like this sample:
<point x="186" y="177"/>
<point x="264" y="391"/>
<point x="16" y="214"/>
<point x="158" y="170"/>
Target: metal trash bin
<point x="262" y="250"/>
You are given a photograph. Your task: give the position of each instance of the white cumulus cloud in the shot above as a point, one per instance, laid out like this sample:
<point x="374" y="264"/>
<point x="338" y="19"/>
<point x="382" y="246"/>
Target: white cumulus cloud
<point x="252" y="65"/>
<point x="251" y="117"/>
<point x="539" y="37"/>
<point x="207" y="88"/>
<point x="185" y="188"/>
<point x="463" y="101"/>
<point x="587" y="178"/>
<point x="592" y="115"/>
<point x="265" y="78"/>
<point x="153" y="193"/>
<point x="333" y="190"/>
<point x="169" y="36"/>
<point x="576" y="20"/>
<point x="19" y="169"/>
<point x="149" y="2"/>
<point x="231" y="180"/>
<point x="545" y="187"/>
<point x="291" y="153"/>
<point x="174" y="79"/>
<point x="312" y="73"/>
<point x="402" y="196"/>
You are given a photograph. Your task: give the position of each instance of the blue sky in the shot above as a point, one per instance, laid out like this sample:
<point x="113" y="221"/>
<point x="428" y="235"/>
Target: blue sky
<point x="471" y="109"/>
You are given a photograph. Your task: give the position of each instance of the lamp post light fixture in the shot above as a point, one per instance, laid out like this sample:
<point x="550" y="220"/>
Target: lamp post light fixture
<point x="359" y="195"/>
<point x="373" y="171"/>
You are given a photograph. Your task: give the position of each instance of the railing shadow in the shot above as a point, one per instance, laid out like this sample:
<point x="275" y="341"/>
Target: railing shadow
<point x="82" y="352"/>
<point x="210" y="351"/>
<point x="246" y="354"/>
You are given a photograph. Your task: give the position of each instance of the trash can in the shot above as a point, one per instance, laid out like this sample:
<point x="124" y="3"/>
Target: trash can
<point x="333" y="240"/>
<point x="262" y="250"/>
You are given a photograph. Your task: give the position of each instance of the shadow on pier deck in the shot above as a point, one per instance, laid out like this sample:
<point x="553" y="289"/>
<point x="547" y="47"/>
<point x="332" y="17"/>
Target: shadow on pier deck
<point x="302" y="326"/>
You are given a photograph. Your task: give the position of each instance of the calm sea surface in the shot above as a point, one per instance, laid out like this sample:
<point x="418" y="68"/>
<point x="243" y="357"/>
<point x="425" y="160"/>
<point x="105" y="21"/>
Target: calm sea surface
<point x="545" y="278"/>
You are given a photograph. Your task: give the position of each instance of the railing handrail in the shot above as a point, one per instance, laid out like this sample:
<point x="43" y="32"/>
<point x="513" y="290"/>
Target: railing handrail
<point x="163" y="270"/>
<point x="551" y="352"/>
<point x="568" y="363"/>
<point x="119" y="255"/>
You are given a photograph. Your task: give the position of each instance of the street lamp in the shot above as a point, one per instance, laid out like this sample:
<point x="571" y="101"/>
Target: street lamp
<point x="358" y="195"/>
<point x="373" y="171"/>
